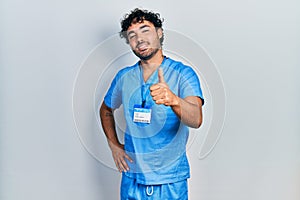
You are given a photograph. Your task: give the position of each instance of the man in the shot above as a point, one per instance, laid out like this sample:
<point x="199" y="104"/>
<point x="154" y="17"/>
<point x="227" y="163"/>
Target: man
<point x="161" y="99"/>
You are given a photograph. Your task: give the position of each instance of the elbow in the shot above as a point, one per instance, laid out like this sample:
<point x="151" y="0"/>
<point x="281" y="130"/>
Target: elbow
<point x="199" y="123"/>
<point x="196" y="121"/>
<point x="198" y="117"/>
<point x="195" y="124"/>
<point x="104" y="110"/>
<point x="101" y="110"/>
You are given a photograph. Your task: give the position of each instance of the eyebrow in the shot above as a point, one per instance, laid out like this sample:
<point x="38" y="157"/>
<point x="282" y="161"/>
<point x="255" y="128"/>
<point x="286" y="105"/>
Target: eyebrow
<point x="144" y="26"/>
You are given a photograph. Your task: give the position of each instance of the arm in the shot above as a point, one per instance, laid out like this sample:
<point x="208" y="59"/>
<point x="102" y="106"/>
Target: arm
<point x="117" y="149"/>
<point x="189" y="109"/>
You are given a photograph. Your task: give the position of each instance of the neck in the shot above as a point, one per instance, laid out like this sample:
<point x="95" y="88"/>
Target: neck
<point x="149" y="66"/>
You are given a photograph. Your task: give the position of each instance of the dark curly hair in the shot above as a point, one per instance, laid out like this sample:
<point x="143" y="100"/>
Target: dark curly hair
<point x="137" y="15"/>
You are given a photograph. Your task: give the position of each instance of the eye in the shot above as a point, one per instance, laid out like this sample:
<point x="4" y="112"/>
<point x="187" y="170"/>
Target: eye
<point x="131" y="36"/>
<point x="145" y="30"/>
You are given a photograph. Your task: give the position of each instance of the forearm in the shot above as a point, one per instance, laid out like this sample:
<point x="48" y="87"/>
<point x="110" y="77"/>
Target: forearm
<point x="189" y="111"/>
<point x="108" y="125"/>
<point x="117" y="149"/>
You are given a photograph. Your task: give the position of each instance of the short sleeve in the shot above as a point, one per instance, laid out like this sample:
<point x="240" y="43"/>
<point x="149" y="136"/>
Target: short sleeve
<point x="190" y="84"/>
<point x="113" y="97"/>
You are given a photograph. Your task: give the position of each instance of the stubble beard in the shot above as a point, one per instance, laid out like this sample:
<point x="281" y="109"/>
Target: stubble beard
<point x="147" y="56"/>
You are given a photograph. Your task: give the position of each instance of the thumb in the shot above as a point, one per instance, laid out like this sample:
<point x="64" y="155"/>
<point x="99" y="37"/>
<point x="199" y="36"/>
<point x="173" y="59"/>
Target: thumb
<point x="161" y="78"/>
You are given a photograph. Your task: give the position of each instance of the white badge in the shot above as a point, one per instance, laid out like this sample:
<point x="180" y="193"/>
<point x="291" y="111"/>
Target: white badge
<point x="142" y="115"/>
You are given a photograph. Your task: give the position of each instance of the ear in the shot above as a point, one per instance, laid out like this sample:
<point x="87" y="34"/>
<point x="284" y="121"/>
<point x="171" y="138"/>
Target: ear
<point x="160" y="33"/>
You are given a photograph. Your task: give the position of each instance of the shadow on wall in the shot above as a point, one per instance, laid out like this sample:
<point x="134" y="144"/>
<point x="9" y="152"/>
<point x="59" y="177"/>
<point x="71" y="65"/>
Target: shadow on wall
<point x="89" y="90"/>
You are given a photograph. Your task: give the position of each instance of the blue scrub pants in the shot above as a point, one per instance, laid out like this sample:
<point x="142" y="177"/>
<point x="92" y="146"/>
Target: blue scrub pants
<point x="131" y="190"/>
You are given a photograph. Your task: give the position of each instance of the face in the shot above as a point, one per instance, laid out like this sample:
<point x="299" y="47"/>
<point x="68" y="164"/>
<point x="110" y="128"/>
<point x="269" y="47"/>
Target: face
<point x="144" y="39"/>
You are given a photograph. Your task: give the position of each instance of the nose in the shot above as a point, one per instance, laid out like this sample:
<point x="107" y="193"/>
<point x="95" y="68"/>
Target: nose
<point x="139" y="38"/>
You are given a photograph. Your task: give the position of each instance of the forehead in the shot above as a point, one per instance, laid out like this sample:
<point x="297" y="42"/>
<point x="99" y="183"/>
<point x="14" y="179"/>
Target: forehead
<point x="138" y="25"/>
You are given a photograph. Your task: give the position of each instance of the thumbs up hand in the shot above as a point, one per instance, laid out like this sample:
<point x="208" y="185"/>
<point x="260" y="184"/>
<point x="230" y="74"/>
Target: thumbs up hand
<point x="161" y="92"/>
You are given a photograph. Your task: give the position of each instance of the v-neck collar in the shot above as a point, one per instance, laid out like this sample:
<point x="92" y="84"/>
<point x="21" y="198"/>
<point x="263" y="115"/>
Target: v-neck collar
<point x="154" y="76"/>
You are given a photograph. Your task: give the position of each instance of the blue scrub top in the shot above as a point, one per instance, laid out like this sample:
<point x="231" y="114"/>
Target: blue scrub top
<point x="158" y="148"/>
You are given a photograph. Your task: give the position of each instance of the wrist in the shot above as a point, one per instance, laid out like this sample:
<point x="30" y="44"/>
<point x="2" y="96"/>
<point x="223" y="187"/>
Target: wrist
<point x="176" y="101"/>
<point x="113" y="144"/>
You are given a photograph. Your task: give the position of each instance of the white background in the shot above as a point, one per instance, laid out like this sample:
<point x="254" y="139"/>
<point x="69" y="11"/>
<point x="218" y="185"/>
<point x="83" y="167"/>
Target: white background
<point x="255" y="45"/>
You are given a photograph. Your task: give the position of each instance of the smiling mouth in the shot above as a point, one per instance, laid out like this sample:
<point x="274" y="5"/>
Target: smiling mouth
<point x="142" y="47"/>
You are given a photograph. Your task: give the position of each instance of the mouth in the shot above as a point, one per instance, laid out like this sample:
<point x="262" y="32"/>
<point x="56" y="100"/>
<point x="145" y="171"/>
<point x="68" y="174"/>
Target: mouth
<point x="142" y="47"/>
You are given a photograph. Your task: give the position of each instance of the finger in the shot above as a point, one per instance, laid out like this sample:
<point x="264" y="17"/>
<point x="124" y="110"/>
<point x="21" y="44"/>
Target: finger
<point x="154" y="93"/>
<point x="154" y="87"/>
<point x="160" y="101"/>
<point x="117" y="165"/>
<point x="161" y="78"/>
<point x="158" y="97"/>
<point x="163" y="91"/>
<point x="128" y="158"/>
<point x="122" y="165"/>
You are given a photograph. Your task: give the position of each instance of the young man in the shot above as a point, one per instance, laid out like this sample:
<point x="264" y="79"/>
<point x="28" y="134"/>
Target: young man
<point x="161" y="99"/>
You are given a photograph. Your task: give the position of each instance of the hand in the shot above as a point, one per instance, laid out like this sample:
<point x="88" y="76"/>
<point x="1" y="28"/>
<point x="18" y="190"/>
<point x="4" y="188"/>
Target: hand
<point x="119" y="156"/>
<point x="161" y="92"/>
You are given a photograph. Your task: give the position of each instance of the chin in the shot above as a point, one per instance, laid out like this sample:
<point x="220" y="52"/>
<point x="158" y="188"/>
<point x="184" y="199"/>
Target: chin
<point x="146" y="56"/>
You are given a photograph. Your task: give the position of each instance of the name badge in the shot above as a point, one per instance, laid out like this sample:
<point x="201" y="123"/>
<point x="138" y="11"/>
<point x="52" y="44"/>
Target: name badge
<point x="142" y="115"/>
